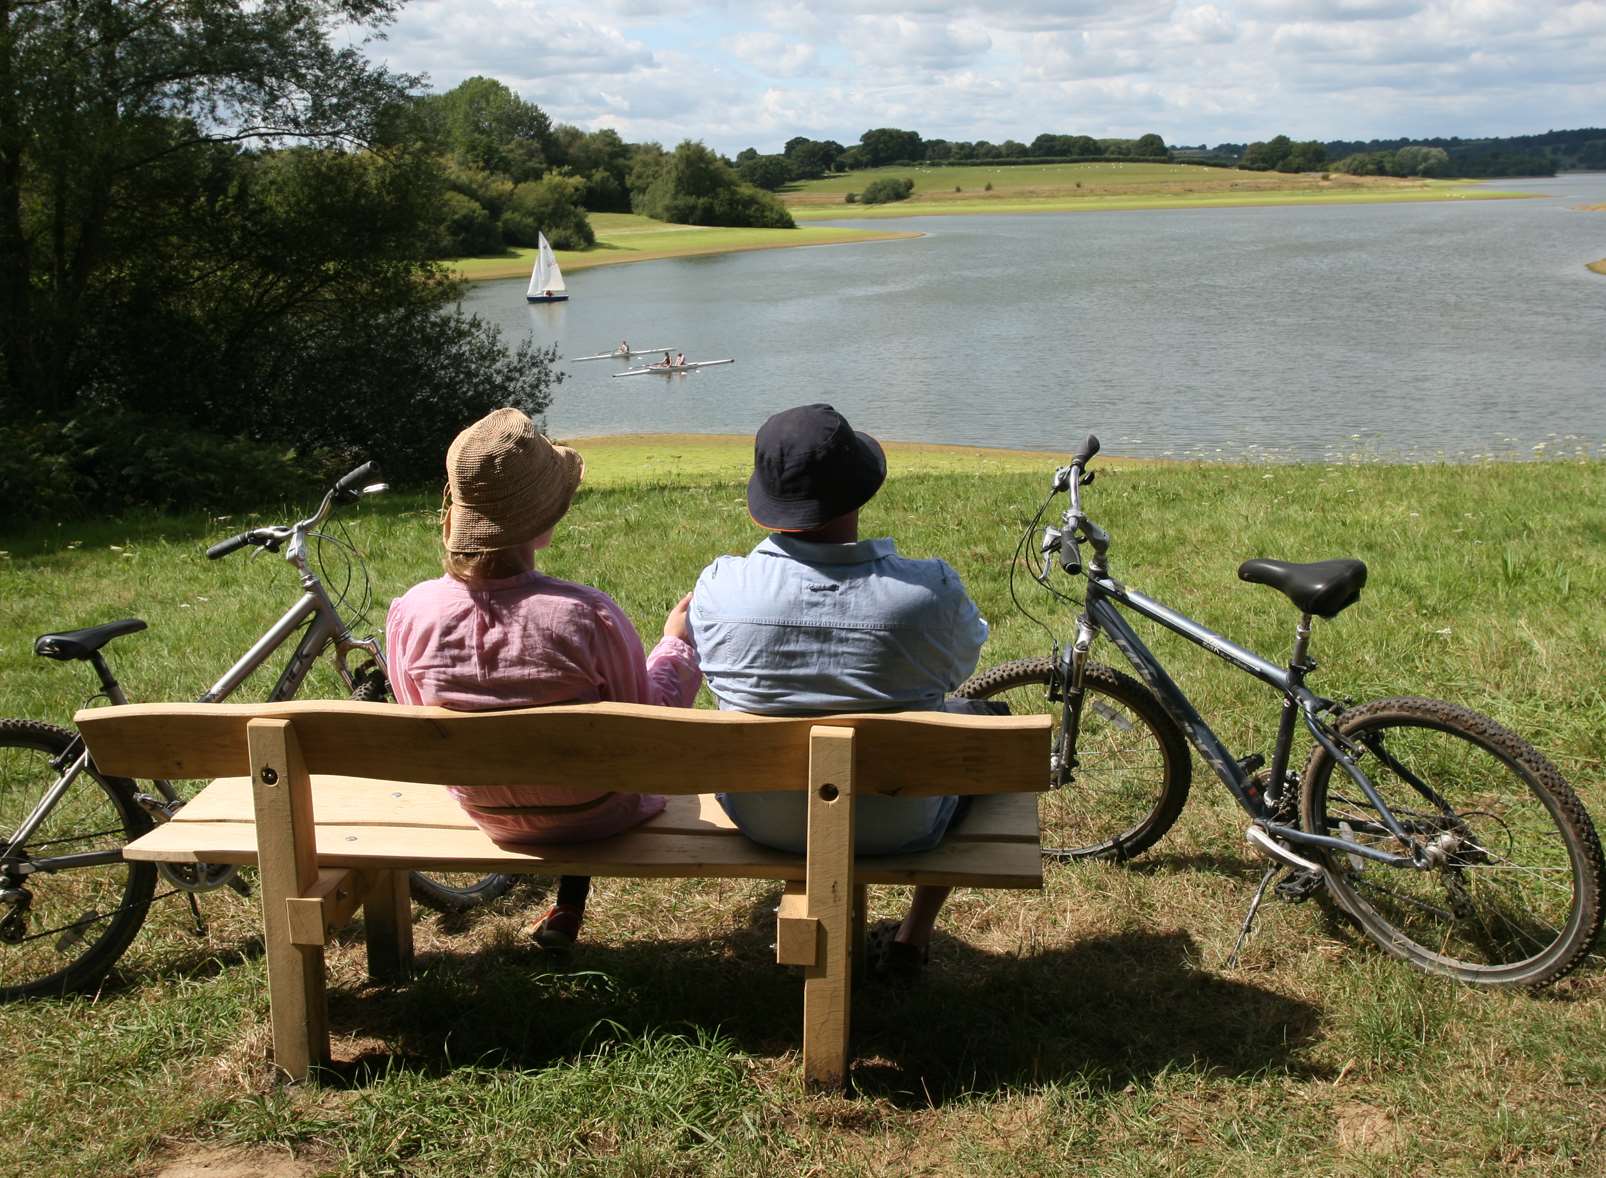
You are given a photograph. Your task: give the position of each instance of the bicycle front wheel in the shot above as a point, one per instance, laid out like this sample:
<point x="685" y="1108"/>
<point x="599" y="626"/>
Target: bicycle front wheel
<point x="62" y="927"/>
<point x="1132" y="773"/>
<point x="1511" y="892"/>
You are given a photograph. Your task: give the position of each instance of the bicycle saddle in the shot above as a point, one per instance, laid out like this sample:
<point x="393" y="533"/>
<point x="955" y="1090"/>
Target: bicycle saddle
<point x="82" y="644"/>
<point x="1323" y="588"/>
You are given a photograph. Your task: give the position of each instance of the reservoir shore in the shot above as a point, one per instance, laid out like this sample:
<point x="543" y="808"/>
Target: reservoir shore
<point x="952" y="191"/>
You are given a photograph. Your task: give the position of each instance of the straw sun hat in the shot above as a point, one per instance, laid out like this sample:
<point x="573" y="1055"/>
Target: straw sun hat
<point x="506" y="483"/>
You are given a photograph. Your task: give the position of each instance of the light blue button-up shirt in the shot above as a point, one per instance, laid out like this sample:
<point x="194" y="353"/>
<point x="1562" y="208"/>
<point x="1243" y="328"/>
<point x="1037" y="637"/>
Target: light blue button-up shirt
<point x="800" y="628"/>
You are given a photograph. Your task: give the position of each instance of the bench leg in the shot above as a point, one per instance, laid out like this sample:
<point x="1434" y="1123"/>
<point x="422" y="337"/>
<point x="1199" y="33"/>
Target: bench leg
<point x="288" y="863"/>
<point x="828" y="983"/>
<point x="388" y="921"/>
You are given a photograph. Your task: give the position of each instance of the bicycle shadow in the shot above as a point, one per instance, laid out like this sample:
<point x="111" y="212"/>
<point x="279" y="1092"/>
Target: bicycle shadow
<point x="1105" y="1011"/>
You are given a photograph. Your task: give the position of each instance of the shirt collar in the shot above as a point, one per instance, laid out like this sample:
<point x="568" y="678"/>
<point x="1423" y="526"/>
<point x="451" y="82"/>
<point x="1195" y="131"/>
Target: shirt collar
<point x="810" y="552"/>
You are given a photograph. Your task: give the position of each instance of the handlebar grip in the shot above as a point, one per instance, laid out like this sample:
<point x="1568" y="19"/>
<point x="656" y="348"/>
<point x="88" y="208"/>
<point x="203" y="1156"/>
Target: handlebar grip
<point x="1070" y="554"/>
<point x="1085" y="454"/>
<point x="354" y="481"/>
<point x="223" y="547"/>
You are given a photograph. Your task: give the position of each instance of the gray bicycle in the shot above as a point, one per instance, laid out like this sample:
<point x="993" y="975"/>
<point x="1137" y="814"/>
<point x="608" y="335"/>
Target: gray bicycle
<point x="70" y="904"/>
<point x="1448" y="839"/>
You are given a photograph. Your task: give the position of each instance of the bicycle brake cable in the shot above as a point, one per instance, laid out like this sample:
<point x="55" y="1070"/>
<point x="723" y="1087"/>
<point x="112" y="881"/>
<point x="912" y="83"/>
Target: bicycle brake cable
<point x="1015" y="561"/>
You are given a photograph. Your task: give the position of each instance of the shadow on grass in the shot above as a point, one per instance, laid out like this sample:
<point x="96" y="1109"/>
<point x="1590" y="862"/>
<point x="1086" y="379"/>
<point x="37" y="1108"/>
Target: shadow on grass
<point x="1104" y="1012"/>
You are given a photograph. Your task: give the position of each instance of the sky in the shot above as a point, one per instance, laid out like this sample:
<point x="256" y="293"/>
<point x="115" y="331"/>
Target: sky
<point x="737" y="75"/>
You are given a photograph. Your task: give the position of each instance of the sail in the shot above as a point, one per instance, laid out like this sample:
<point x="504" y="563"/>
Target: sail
<point x="546" y="276"/>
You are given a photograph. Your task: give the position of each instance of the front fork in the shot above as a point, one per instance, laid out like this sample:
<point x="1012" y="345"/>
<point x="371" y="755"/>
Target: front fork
<point x="1070" y="677"/>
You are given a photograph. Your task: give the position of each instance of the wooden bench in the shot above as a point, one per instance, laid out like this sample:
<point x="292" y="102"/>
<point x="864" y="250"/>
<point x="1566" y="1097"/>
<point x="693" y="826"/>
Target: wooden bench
<point x="335" y="802"/>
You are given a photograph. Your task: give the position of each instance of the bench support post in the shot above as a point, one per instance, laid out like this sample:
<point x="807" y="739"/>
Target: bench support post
<point x="828" y="982"/>
<point x="287" y="859"/>
<point x="388" y="921"/>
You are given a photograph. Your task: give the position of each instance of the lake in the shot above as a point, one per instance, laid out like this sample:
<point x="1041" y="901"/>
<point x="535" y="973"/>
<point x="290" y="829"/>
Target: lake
<point x="1460" y="329"/>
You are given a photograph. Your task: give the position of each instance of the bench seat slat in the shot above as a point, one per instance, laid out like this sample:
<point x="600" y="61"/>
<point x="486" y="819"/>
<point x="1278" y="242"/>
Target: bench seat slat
<point x="995" y="846"/>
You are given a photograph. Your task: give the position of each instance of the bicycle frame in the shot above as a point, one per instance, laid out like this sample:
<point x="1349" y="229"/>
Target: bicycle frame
<point x="1101" y="615"/>
<point x="326" y="629"/>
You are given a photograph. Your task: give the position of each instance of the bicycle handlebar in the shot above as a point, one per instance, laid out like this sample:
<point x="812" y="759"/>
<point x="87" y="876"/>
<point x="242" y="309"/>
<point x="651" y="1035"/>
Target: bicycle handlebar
<point x="346" y="490"/>
<point x="223" y="547"/>
<point x="1085" y="454"/>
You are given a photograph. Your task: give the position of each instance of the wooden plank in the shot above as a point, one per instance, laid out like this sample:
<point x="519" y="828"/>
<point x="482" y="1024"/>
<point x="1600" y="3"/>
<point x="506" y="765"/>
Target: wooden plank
<point x="328" y="906"/>
<point x="828" y="982"/>
<point x="712" y="850"/>
<point x="797" y="934"/>
<point x="289" y="868"/>
<point x="593" y="746"/>
<point x="388" y="924"/>
<point x="1000" y="864"/>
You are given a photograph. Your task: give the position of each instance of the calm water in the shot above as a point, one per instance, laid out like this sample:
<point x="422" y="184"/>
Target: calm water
<point x="1457" y="329"/>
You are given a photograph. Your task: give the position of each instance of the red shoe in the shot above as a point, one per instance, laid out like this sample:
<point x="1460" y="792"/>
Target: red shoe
<point x="559" y="929"/>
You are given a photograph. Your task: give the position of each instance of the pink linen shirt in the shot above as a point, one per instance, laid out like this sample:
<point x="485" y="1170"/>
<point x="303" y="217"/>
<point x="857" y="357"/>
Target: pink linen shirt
<point x="530" y="641"/>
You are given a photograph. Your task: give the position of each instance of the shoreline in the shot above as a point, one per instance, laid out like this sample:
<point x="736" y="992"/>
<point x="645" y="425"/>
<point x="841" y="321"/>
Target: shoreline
<point x="620" y="253"/>
<point x="674" y="458"/>
<point x="624" y="238"/>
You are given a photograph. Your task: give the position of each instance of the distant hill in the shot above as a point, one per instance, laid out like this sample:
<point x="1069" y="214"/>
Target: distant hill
<point x="1517" y="155"/>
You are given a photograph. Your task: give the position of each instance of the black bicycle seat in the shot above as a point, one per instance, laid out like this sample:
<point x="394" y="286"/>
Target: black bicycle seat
<point x="82" y="644"/>
<point x="1323" y="588"/>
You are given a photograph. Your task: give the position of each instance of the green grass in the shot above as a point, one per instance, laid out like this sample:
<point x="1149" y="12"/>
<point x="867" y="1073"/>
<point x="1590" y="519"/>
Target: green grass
<point x="1105" y="187"/>
<point x="625" y="237"/>
<point x="1093" y="1027"/>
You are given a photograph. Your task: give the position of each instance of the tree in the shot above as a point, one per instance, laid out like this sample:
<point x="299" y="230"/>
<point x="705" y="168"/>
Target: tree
<point x="485" y="125"/>
<point x="886" y="145"/>
<point x="812" y="159"/>
<point x="1414" y="160"/>
<point x="1309" y="156"/>
<point x="694" y="186"/>
<point x="1268" y="155"/>
<point x="165" y="254"/>
<point x="1149" y="145"/>
<point x="550" y="205"/>
<point x="768" y="172"/>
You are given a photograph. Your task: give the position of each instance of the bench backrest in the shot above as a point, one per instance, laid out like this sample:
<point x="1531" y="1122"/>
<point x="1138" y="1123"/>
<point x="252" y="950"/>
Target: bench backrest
<point x="631" y="747"/>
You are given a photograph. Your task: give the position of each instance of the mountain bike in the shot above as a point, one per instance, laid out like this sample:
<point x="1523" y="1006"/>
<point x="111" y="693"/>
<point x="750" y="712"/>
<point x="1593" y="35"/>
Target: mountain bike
<point x="1448" y="839"/>
<point x="69" y="903"/>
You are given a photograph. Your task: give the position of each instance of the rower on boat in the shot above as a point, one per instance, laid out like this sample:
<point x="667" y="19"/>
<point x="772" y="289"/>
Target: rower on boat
<point x="666" y="361"/>
<point x="680" y="360"/>
<point x="624" y="347"/>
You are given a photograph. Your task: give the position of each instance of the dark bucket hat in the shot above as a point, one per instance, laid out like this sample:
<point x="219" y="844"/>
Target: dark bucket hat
<point x="809" y="467"/>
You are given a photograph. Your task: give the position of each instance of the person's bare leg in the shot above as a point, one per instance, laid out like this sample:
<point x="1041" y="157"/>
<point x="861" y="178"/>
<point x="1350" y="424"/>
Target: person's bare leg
<point x="921" y="918"/>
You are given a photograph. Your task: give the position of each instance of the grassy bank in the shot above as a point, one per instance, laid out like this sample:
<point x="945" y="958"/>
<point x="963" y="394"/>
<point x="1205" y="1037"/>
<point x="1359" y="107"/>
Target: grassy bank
<point x="1093" y="1027"/>
<point x="624" y="237"/>
<point x="1060" y="188"/>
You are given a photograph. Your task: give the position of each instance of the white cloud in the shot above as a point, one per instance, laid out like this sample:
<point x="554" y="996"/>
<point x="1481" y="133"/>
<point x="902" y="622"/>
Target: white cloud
<point x="1193" y="70"/>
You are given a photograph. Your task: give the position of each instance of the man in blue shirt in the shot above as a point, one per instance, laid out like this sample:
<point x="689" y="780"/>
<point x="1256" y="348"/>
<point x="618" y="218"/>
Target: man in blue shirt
<point x="816" y="620"/>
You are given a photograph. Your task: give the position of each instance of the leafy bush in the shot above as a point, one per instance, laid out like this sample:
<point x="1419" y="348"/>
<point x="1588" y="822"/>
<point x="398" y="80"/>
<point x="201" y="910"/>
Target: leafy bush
<point x="851" y="198"/>
<point x="107" y="460"/>
<point x="695" y="187"/>
<point x="886" y="190"/>
<point x="465" y="228"/>
<point x="550" y="205"/>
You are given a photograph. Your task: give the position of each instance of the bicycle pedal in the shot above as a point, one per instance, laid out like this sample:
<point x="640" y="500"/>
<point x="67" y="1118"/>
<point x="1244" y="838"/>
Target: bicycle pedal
<point x="1298" y="886"/>
<point x="1271" y="849"/>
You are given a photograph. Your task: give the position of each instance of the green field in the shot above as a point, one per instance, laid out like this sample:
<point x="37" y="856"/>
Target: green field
<point x="625" y="237"/>
<point x="1093" y="1028"/>
<point x="1105" y="187"/>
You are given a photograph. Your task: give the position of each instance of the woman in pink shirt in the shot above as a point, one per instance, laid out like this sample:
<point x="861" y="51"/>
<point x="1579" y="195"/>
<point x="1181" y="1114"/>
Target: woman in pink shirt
<point x="495" y="632"/>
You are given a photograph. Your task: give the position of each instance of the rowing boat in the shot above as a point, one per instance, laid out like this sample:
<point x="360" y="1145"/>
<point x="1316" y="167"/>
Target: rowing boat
<point x="672" y="369"/>
<point x="618" y="355"/>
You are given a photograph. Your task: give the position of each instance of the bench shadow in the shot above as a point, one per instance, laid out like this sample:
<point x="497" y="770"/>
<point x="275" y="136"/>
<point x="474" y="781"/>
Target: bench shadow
<point x="1105" y="1011"/>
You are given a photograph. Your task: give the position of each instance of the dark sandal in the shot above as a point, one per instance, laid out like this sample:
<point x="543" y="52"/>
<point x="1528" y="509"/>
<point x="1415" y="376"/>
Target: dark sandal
<point x="888" y="959"/>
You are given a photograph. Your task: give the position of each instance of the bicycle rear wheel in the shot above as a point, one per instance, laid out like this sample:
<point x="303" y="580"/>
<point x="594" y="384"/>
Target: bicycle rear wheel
<point x="61" y="930"/>
<point x="1512" y="896"/>
<point x="440" y="890"/>
<point x="1133" y="770"/>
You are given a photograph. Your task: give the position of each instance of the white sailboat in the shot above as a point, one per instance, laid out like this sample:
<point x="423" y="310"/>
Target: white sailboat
<point x="546" y="280"/>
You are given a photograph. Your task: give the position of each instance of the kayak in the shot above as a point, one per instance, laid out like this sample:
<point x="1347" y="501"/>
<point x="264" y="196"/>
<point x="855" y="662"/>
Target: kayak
<point x="670" y="370"/>
<point x="617" y="355"/>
